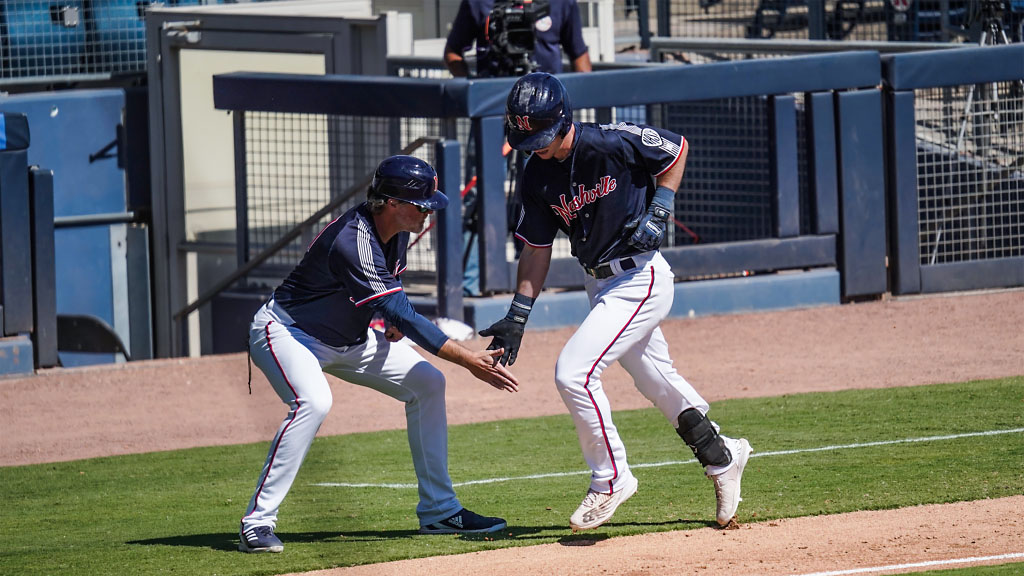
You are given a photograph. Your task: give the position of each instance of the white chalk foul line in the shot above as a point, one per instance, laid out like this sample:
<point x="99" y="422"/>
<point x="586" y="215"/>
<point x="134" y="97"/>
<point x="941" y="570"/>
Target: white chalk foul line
<point x="930" y="563"/>
<point x="691" y="460"/>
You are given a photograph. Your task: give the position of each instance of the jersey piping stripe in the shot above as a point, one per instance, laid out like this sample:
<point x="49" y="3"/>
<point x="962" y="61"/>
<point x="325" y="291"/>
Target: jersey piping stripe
<point x="586" y="386"/>
<point x="280" y="438"/>
<point x="318" y="234"/>
<point x="532" y="244"/>
<point x="365" y="248"/>
<point x="679" y="154"/>
<point x="666" y="145"/>
<point x="375" y="296"/>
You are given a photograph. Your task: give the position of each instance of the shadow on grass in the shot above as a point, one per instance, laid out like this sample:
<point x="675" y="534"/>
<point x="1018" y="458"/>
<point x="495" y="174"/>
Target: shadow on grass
<point x="228" y="541"/>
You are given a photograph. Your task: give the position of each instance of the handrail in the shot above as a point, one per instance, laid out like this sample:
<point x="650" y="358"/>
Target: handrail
<point x="436" y="63"/>
<point x="764" y="46"/>
<point x="292" y="234"/>
<point x="128" y="217"/>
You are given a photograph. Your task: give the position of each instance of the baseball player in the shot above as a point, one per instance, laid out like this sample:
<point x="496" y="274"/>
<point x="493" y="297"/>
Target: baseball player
<point x="318" y="321"/>
<point x="610" y="189"/>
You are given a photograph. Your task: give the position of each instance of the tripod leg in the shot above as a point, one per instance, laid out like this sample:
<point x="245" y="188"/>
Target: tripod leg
<point x="935" y="250"/>
<point x="1006" y="40"/>
<point x="966" y="116"/>
<point x="970" y="100"/>
<point x="997" y="34"/>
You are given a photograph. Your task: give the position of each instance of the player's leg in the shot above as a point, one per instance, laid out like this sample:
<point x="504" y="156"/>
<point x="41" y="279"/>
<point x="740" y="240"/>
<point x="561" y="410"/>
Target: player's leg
<point x="654" y="375"/>
<point x="650" y="365"/>
<point x="396" y="369"/>
<point x="624" y="310"/>
<point x="724" y="459"/>
<point x="294" y="372"/>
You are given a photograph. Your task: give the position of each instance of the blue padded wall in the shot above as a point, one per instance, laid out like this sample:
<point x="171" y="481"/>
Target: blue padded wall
<point x="67" y="128"/>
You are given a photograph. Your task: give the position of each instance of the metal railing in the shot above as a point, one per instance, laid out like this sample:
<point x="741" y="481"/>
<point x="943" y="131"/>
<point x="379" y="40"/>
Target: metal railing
<point x="286" y="239"/>
<point x="957" y="179"/>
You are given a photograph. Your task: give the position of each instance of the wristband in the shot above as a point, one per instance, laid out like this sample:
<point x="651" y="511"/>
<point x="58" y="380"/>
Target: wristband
<point x="664" y="197"/>
<point x="520" y="309"/>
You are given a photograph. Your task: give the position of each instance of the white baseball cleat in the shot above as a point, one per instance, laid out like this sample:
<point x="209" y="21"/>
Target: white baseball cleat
<point x="598" y="507"/>
<point x="727" y="484"/>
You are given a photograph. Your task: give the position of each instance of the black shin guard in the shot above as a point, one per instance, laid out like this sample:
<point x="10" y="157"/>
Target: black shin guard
<point x="700" y="435"/>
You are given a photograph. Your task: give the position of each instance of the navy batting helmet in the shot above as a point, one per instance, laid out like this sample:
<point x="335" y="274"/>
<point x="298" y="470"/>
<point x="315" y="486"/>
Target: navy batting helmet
<point x="537" y="110"/>
<point x="408" y="179"/>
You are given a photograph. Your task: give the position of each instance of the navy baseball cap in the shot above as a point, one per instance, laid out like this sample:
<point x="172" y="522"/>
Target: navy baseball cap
<point x="537" y="110"/>
<point x="408" y="179"/>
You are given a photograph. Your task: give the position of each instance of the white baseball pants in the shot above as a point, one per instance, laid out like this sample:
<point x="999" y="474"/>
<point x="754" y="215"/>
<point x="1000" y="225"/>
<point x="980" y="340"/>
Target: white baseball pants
<point x="622" y="325"/>
<point x="295" y="362"/>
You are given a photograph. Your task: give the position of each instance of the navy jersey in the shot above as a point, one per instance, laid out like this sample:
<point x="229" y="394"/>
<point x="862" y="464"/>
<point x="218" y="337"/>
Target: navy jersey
<point x="345" y="268"/>
<point x="606" y="181"/>
<point x="561" y="26"/>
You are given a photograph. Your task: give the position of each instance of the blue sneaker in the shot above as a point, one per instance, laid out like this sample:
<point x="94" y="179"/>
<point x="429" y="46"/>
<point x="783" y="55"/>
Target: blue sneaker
<point x="259" y="539"/>
<point x="464" y="522"/>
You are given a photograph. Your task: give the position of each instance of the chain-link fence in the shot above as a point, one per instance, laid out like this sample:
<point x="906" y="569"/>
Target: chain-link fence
<point x="970" y="160"/>
<point x="783" y="19"/>
<point x="727" y="193"/>
<point x="296" y="163"/>
<point x="44" y="41"/>
<point x="875" y="20"/>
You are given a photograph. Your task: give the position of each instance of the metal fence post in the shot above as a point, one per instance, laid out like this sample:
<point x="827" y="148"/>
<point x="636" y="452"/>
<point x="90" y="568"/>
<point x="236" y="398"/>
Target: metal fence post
<point x="784" y="169"/>
<point x="44" y="267"/>
<point x="664" y="12"/>
<point x="816" y="20"/>
<point x="241" y="189"/>
<point x="643" y="14"/>
<point x="905" y="267"/>
<point x="449" y="229"/>
<point x="821" y="162"/>
<point x="862" y="193"/>
<point x="16" y="249"/>
<point x="492" y="217"/>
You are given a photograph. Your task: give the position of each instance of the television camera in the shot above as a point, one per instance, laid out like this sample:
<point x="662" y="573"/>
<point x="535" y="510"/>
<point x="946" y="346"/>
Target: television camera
<point x="511" y="31"/>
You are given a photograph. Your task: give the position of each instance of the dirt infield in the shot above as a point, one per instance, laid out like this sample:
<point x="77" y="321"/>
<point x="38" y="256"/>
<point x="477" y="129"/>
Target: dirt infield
<point x="66" y="414"/>
<point x="791" y="547"/>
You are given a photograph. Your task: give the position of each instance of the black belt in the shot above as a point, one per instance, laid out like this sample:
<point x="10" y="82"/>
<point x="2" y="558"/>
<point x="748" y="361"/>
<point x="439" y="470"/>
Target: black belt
<point x="602" y="271"/>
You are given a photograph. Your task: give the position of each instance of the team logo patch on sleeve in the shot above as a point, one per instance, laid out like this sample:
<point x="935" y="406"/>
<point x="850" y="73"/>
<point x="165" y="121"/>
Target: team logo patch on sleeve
<point x="650" y="138"/>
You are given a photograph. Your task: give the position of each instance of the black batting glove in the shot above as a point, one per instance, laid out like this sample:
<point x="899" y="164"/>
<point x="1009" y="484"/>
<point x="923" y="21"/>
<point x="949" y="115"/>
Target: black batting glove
<point x="508" y="332"/>
<point x="649" y="229"/>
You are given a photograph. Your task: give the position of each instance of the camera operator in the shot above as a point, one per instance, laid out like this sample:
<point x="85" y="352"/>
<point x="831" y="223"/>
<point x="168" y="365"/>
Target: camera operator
<point x="560" y="26"/>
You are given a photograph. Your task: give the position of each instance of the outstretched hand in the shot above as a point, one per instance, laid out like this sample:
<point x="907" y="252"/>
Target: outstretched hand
<point x="507" y="335"/>
<point x="485" y="367"/>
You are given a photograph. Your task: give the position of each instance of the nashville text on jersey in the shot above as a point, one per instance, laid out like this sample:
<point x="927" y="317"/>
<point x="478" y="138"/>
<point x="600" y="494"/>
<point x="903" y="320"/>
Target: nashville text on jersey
<point x="567" y="211"/>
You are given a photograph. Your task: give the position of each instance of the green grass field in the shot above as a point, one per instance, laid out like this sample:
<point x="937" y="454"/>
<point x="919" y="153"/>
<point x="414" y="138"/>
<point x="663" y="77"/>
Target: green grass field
<point x="178" y="512"/>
